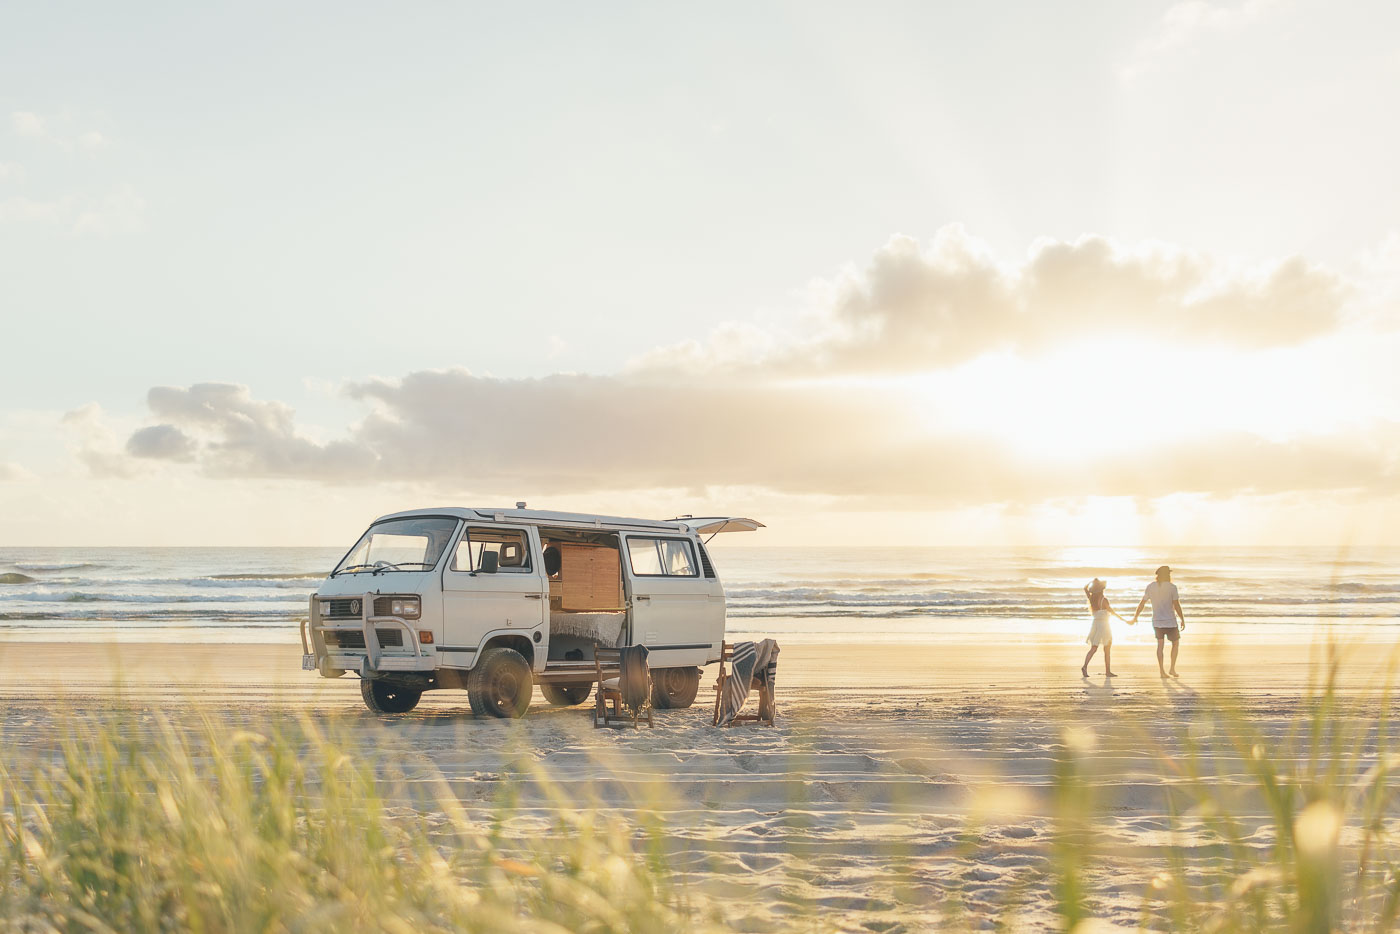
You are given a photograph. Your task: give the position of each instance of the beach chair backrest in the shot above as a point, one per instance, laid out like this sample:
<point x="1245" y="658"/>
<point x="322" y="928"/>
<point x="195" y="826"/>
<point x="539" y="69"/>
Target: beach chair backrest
<point x="629" y="666"/>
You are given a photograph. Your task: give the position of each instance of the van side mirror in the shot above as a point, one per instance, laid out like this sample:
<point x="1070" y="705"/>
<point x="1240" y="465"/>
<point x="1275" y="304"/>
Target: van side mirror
<point x="490" y="562"/>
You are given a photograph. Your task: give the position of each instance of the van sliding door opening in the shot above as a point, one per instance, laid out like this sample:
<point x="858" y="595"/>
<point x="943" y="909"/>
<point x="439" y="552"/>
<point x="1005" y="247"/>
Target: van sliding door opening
<point x="587" y="603"/>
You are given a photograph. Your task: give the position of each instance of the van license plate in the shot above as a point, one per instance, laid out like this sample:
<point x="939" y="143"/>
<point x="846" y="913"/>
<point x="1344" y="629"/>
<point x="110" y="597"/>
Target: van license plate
<point x="308" y="663"/>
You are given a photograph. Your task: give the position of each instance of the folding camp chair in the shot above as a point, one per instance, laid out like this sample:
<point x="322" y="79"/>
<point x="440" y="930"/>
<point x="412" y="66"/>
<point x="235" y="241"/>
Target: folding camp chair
<point x="766" y="707"/>
<point x="624" y="684"/>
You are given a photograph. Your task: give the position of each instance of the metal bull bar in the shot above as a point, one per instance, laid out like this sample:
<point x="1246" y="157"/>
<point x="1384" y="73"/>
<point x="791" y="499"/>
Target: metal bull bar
<point x="315" y="649"/>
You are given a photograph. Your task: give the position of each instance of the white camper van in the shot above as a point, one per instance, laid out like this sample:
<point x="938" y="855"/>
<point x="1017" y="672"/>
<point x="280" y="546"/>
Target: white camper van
<point x="498" y="600"/>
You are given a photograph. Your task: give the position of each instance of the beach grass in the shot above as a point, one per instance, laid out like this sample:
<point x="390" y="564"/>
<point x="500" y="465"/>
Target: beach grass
<point x="1299" y="829"/>
<point x="217" y="829"/>
<point x="130" y="821"/>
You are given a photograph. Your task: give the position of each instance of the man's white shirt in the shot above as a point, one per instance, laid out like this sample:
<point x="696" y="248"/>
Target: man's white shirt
<point x="1163" y="597"/>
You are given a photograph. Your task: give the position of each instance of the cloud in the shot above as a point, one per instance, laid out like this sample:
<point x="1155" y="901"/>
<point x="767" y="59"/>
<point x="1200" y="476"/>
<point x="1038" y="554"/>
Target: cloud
<point x="57" y="130"/>
<point x="572" y="434"/>
<point x="729" y="346"/>
<point x="120" y="211"/>
<point x="247" y="437"/>
<point x="1380" y="269"/>
<point x="96" y="445"/>
<point x="923" y="308"/>
<point x="1187" y="22"/>
<point x="123" y="211"/>
<point x="845" y="408"/>
<point x="162" y="442"/>
<point x="29" y="125"/>
<point x="12" y="473"/>
<point x="28" y="210"/>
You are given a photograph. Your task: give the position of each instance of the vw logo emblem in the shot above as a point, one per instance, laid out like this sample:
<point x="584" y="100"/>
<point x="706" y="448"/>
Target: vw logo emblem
<point x="355" y="607"/>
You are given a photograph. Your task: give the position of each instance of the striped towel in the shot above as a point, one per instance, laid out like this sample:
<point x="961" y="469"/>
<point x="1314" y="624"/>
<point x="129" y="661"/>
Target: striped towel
<point x="753" y="661"/>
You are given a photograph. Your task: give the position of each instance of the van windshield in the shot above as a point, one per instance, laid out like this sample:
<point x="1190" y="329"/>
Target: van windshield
<point x="399" y="545"/>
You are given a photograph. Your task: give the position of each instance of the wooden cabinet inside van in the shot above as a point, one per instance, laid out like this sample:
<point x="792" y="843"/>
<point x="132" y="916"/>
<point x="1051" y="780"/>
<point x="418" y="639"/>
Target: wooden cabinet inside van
<point x="590" y="579"/>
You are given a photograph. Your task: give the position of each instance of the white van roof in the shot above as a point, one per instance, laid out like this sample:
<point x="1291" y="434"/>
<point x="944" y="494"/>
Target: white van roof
<point x="580" y="519"/>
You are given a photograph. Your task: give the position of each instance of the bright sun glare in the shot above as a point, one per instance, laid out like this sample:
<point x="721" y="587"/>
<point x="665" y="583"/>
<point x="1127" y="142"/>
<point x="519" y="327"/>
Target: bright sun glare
<point x="1100" y="397"/>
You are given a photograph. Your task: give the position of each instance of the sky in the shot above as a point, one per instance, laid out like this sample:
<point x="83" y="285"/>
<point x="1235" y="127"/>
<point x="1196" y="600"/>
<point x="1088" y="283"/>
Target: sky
<point x="904" y="274"/>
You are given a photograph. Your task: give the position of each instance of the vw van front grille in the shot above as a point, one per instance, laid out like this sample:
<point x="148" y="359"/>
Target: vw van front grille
<point x="345" y="638"/>
<point x="355" y="638"/>
<point x="341" y="609"/>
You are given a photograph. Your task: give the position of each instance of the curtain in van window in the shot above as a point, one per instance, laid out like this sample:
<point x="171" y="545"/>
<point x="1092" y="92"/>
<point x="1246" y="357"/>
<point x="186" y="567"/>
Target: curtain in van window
<point x="656" y="557"/>
<point x="675" y="558"/>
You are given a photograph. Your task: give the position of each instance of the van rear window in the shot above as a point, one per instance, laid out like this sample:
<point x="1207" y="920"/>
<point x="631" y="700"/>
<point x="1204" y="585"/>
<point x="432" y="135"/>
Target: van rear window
<point x="661" y="557"/>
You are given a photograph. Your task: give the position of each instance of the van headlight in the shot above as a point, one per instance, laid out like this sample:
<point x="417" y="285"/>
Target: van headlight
<point x="408" y="608"/>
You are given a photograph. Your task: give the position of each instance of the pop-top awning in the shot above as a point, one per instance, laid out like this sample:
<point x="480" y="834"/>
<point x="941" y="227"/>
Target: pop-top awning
<point x="713" y="525"/>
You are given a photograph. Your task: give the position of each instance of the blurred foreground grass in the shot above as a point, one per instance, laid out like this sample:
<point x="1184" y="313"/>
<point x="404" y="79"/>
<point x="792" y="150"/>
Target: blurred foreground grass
<point x="216" y="829"/>
<point x="121" y="822"/>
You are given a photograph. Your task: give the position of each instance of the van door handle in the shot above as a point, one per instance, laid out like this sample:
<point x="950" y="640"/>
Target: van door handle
<point x="643" y="596"/>
<point x="532" y="596"/>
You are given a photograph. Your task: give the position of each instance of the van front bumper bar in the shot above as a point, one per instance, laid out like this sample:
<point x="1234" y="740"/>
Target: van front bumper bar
<point x="317" y="655"/>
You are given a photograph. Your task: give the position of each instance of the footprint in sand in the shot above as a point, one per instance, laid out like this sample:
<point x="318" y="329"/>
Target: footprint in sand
<point x="747" y="763"/>
<point x="925" y="768"/>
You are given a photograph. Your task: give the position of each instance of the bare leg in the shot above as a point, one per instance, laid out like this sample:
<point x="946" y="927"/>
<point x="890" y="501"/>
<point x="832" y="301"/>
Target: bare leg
<point x="1107" y="665"/>
<point x="1085" y="669"/>
<point x="1175" y="647"/>
<point x="1160" y="666"/>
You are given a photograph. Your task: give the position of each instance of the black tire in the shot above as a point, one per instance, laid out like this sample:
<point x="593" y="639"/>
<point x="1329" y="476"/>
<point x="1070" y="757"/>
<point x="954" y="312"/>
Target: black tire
<point x="387" y="697"/>
<point x="566" y="695"/>
<point x="501" y="684"/>
<point x="674" y="688"/>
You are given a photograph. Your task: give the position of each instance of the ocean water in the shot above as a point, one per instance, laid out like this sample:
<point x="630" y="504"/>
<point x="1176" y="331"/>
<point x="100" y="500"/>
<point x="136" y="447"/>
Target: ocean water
<point x="892" y="595"/>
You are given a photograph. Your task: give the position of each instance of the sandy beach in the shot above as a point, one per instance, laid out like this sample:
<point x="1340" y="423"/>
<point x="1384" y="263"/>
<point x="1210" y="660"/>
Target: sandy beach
<point x="898" y="788"/>
<point x="809" y="674"/>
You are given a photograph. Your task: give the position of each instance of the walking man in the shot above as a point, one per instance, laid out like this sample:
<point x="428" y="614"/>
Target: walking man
<point x="1166" y="610"/>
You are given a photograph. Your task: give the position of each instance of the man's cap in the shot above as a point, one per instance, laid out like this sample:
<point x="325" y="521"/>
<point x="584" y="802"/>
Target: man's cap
<point x="1164" y="568"/>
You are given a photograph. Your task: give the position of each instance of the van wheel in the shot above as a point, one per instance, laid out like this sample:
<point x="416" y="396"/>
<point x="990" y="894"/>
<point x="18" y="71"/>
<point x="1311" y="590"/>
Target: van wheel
<point x="674" y="688"/>
<point x="566" y="695"/>
<point x="501" y="683"/>
<point x="387" y="697"/>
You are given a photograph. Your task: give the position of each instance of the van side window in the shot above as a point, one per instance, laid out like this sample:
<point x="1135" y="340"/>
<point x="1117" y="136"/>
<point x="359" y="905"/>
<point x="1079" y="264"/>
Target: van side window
<point x="511" y="548"/>
<point x="661" y="557"/>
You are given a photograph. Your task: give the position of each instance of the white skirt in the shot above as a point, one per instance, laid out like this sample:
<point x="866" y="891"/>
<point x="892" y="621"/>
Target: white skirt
<point x="1101" y="633"/>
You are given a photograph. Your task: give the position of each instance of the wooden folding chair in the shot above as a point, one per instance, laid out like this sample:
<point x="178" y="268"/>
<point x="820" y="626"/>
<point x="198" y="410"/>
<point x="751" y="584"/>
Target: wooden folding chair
<point x="765" y="693"/>
<point x="607" y="664"/>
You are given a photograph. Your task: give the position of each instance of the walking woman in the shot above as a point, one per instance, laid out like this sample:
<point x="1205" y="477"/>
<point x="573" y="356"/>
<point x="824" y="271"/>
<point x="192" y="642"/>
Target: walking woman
<point x="1100" y="633"/>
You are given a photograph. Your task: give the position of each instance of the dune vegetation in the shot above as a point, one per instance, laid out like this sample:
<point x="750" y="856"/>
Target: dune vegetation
<point x="129" y="822"/>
